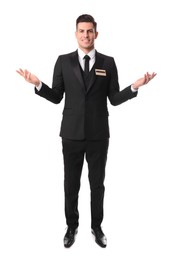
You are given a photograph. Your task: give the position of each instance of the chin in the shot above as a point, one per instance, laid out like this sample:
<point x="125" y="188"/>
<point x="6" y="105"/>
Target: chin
<point x="87" y="47"/>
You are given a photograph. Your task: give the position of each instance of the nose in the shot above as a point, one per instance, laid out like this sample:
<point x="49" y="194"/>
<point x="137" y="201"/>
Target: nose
<point x="86" y="34"/>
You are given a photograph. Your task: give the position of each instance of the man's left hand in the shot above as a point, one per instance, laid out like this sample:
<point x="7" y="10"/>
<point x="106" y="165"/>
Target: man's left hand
<point x="144" y="80"/>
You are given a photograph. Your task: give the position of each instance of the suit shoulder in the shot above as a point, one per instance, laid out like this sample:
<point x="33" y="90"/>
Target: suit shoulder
<point x="105" y="56"/>
<point x="67" y="55"/>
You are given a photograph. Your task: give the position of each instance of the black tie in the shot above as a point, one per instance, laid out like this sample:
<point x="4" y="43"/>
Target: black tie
<point x="86" y="67"/>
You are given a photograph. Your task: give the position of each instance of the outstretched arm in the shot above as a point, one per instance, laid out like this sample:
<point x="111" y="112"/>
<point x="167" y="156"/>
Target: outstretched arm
<point x="117" y="97"/>
<point x="54" y="95"/>
<point x="29" y="77"/>
<point x="144" y="80"/>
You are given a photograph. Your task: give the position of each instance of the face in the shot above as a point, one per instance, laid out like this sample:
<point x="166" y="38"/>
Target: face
<point x="85" y="35"/>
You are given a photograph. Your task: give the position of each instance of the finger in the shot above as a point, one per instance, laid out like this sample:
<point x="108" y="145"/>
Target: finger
<point x="26" y="72"/>
<point x="27" y="76"/>
<point x="154" y="74"/>
<point x="20" y="71"/>
<point x="149" y="76"/>
<point x="146" y="78"/>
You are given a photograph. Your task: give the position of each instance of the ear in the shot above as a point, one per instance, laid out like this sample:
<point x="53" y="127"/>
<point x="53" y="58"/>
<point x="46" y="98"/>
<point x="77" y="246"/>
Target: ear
<point x="96" y="35"/>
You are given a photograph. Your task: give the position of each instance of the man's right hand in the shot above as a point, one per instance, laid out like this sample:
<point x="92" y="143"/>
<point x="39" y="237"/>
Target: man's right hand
<point x="29" y="77"/>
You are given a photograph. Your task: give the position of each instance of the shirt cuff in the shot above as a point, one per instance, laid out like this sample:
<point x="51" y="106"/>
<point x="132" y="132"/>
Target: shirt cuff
<point x="133" y="89"/>
<point x="39" y="86"/>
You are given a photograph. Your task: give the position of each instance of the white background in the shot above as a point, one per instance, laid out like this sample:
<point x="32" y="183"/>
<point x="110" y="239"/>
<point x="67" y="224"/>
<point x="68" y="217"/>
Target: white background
<point x="32" y="222"/>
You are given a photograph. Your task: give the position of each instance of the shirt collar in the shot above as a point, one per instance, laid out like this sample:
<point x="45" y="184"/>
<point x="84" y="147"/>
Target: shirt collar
<point x="91" y="54"/>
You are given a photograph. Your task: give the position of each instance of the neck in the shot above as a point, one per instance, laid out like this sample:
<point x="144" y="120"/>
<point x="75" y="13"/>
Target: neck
<point x="86" y="51"/>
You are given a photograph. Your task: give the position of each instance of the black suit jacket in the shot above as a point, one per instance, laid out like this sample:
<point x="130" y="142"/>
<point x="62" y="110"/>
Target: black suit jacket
<point x="85" y="114"/>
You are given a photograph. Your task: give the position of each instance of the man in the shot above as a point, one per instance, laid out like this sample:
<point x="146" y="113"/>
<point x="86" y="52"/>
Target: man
<point x="87" y="78"/>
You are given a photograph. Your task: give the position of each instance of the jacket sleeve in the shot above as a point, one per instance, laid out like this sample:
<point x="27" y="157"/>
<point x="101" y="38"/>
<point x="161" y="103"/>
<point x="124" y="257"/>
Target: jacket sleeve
<point x="54" y="94"/>
<point x="117" y="97"/>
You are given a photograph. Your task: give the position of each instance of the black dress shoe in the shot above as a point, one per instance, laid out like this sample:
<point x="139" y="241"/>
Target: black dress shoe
<point x="100" y="238"/>
<point x="69" y="237"/>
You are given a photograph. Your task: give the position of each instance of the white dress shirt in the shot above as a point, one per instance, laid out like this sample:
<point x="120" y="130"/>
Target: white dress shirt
<point x="91" y="54"/>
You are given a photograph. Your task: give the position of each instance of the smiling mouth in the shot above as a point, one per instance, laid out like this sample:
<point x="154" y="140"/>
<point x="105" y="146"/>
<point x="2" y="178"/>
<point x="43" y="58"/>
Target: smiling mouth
<point x="86" y="41"/>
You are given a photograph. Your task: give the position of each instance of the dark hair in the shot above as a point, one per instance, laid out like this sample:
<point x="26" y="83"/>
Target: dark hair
<point x="86" y="18"/>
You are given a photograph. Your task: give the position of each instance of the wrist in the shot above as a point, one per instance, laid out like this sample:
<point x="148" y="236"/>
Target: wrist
<point x="134" y="88"/>
<point x="37" y="83"/>
<point x="39" y="86"/>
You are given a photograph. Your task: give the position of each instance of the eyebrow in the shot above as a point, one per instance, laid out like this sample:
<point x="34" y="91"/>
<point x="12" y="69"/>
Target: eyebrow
<point x="92" y="29"/>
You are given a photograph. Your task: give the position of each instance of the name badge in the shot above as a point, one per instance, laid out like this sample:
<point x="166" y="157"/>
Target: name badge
<point x="100" y="72"/>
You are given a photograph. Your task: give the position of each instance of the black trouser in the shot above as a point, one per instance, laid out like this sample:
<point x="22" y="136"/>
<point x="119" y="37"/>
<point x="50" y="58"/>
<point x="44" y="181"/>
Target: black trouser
<point x="96" y="156"/>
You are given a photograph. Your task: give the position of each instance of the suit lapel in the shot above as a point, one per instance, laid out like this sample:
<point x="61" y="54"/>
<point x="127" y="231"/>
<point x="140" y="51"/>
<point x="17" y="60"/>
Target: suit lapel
<point x="76" y="68"/>
<point x="98" y="65"/>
